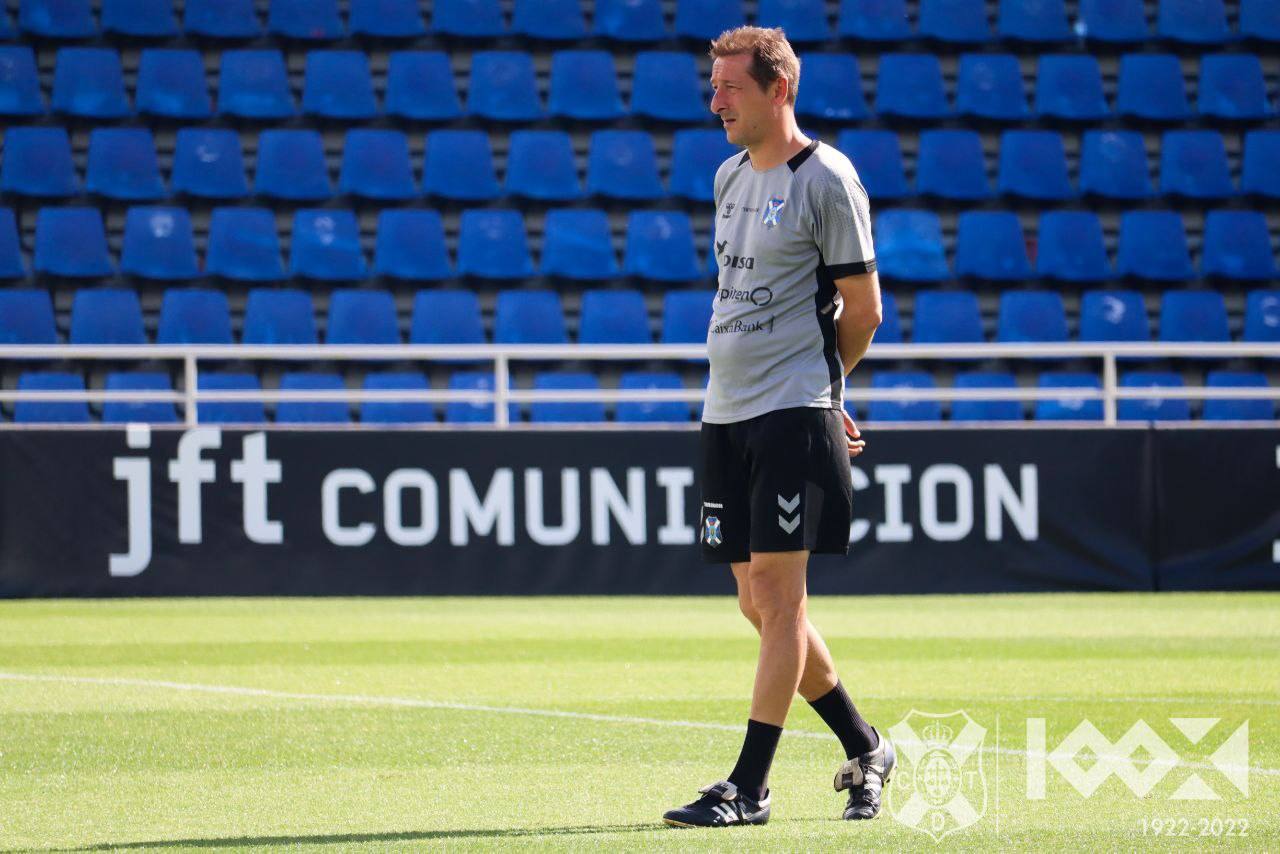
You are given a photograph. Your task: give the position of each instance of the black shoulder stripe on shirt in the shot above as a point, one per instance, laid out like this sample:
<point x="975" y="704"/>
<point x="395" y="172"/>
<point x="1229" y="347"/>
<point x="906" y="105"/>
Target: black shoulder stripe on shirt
<point x="857" y="268"/>
<point x="746" y="155"/>
<point x="801" y="156"/>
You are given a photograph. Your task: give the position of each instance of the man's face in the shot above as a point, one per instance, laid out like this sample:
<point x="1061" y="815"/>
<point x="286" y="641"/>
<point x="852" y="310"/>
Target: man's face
<point x="746" y="110"/>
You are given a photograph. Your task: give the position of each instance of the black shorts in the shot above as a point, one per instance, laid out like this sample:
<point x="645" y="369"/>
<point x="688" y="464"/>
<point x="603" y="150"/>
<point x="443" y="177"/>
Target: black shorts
<point x="778" y="482"/>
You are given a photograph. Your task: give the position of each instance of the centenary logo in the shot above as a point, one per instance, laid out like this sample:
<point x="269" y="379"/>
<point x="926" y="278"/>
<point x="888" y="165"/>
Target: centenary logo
<point x="940" y="786"/>
<point x="711" y="531"/>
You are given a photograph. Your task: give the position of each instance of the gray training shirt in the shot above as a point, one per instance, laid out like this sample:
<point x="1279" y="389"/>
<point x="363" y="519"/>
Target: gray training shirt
<point x="782" y="238"/>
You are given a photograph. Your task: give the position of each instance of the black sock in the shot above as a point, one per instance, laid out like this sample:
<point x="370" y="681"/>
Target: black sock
<point x="751" y="774"/>
<point x="837" y="710"/>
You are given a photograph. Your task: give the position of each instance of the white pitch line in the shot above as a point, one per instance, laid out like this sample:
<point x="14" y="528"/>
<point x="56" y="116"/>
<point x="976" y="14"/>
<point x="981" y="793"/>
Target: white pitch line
<point x="416" y="703"/>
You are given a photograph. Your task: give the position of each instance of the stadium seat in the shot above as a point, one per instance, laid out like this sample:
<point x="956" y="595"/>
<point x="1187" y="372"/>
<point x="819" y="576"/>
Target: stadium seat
<point x="253" y="84"/>
<point x="410" y="245"/>
<point x="396" y="411"/>
<point x="950" y="165"/>
<point x="1229" y="409"/>
<point x="1261" y="316"/>
<point x="1153" y="246"/>
<point x="386" y="19"/>
<point x="985" y="410"/>
<point x="106" y="316"/>
<point x="362" y="317"/>
<point x="1260" y="19"/>
<point x="326" y="245"/>
<point x="1113" y="316"/>
<point x="124" y="411"/>
<point x="540" y="165"/>
<point x="171" y="84"/>
<point x="306" y="20"/>
<point x="613" y="317"/>
<point x="549" y="20"/>
<point x="123" y="165"/>
<point x="990" y="87"/>
<point x="11" y="265"/>
<point x="901" y="410"/>
<point x="954" y="21"/>
<point x="19" y="82"/>
<point x="1069" y="407"/>
<point x="1113" y="21"/>
<point x="1193" y="316"/>
<point x="832" y="87"/>
<point x="1070" y="247"/>
<point x="584" y="86"/>
<point x="89" y="82"/>
<point x="291" y="166"/>
<point x="1261" y="173"/>
<point x="375" y="165"/>
<point x="874" y="20"/>
<point x="311" y="411"/>
<point x="706" y="19"/>
<point x="576" y="244"/>
<point x="660" y="246"/>
<point x="623" y="164"/>
<point x="1031" y="317"/>
<point x="1033" y="165"/>
<point x="1193" y="163"/>
<point x="229" y="412"/>
<point x="565" y="411"/>
<point x="26" y="317"/>
<point x="194" y="316"/>
<point x="338" y="85"/>
<point x="1069" y="87"/>
<point x="686" y="316"/>
<point x="802" y="20"/>
<point x="1197" y="22"/>
<point x="71" y="242"/>
<point x="446" y="317"/>
<point x="57" y="19"/>
<point x="468" y="18"/>
<point x="493" y="244"/>
<point x="630" y="20"/>
<point x="696" y="154"/>
<point x="462" y="412"/>
<point x="890" y="329"/>
<point x="208" y="162"/>
<point x="243" y="245"/>
<point x="139" y="18"/>
<point x="278" y="316"/>
<point x="1039" y="22"/>
<point x="420" y="86"/>
<point x="37" y="162"/>
<point x="1151" y="88"/>
<point x="1232" y="87"/>
<point x="1237" y="245"/>
<point x="1152" y="408"/>
<point x="1113" y="164"/>
<point x="947" y="317"/>
<point x="909" y="245"/>
<point x="529" y="317"/>
<point x="459" y="165"/>
<point x="503" y="86"/>
<point x="50" y="412"/>
<point x="223" y="19"/>
<point x="635" y="411"/>
<point x="877" y="157"/>
<point x="159" y="244"/>
<point x="990" y="246"/>
<point x="666" y="85"/>
<point x="910" y="86"/>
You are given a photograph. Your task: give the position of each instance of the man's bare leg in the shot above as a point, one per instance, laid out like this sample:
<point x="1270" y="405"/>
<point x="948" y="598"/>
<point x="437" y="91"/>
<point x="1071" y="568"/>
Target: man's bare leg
<point x="777" y="584"/>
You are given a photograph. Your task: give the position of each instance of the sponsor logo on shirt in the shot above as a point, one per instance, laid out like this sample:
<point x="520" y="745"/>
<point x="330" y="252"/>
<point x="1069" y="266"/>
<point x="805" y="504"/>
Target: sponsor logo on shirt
<point x="761" y="296"/>
<point x="734" y="326"/>
<point x="728" y="210"/>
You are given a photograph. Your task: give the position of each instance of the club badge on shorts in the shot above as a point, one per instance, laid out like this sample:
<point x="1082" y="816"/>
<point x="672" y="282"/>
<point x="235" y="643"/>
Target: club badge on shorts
<point x="772" y="210"/>
<point x="711" y="531"/>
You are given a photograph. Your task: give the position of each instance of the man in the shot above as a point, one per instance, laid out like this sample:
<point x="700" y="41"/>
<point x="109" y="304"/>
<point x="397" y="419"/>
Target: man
<point x="797" y="306"/>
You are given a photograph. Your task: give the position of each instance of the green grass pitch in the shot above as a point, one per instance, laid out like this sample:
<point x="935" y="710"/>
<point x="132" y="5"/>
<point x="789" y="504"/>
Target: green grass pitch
<point x="572" y="723"/>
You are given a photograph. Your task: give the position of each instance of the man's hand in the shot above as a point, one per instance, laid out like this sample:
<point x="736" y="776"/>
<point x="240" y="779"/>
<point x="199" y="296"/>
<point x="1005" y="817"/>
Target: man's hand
<point x="853" y="435"/>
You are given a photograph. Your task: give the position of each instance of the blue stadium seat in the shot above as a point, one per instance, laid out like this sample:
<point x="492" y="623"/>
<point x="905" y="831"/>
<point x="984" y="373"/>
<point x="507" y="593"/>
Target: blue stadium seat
<point x="874" y="20"/>
<point x="420" y="86"/>
<point x="1069" y="407"/>
<point x="1193" y="316"/>
<point x="990" y="87"/>
<point x="1153" y="245"/>
<point x="1261" y="316"/>
<point x="1113" y="316"/>
<point x="411" y="245"/>
<point x="910" y="86"/>
<point x="990" y="246"/>
<point x="362" y="317"/>
<point x="171" y="84"/>
<point x="986" y="410"/>
<point x="660" y="247"/>
<point x="106" y="316"/>
<point x="832" y="87"/>
<point x="686" y="316"/>
<point x="26" y="317"/>
<point x="159" y="244"/>
<point x="37" y="162"/>
<point x="1069" y="87"/>
<point x="71" y="242"/>
<point x="1197" y="22"/>
<point x="584" y="85"/>
<point x="630" y="20"/>
<point x="278" y="316"/>
<point x="459" y="165"/>
<point x="311" y="411"/>
<point x="229" y="412"/>
<point x="802" y="20"/>
<point x="634" y="411"/>
<point x="878" y="158"/>
<point x="123" y="164"/>
<point x="540" y="165"/>
<point x="326" y="245"/>
<point x="950" y="165"/>
<point x="954" y="21"/>
<point x="1232" y="87"/>
<point x="613" y="317"/>
<point x="895" y="410"/>
<point x="462" y="412"/>
<point x="1113" y="21"/>
<point x="1152" y="408"/>
<point x="565" y="411"/>
<point x="550" y="20"/>
<point x="1040" y="21"/>
<point x="529" y="317"/>
<point x="493" y="244"/>
<point x="1193" y="163"/>
<point x="1033" y="165"/>
<point x="1228" y="409"/>
<point x="89" y="82"/>
<point x="1261" y="173"/>
<point x="50" y="412"/>
<point x="947" y="317"/>
<point x="338" y="85"/>
<point x="19" y="82"/>
<point x="890" y="329"/>
<point x="909" y="245"/>
<point x="1031" y="317"/>
<point x="222" y="19"/>
<point x="253" y="84"/>
<point x="7" y="31"/>
<point x="208" y="162"/>
<point x="666" y="85"/>
<point x="1070" y="247"/>
<point x="468" y="18"/>
<point x="124" y="412"/>
<point x="576" y="245"/>
<point x="1151" y="88"/>
<point x="696" y="154"/>
<point x="11" y="266"/>
<point x="1113" y="164"/>
<point x="387" y="19"/>
<point x="707" y="19"/>
<point x="503" y="86"/>
<point x="307" y="20"/>
<point x="291" y="166"/>
<point x="623" y="164"/>
<point x="1237" y="245"/>
<point x="58" y="19"/>
<point x="194" y="316"/>
<point x="375" y="165"/>
<point x="396" y="411"/>
<point x="243" y="245"/>
<point x="1260" y="19"/>
<point x="446" y="317"/>
<point x="139" y="18"/>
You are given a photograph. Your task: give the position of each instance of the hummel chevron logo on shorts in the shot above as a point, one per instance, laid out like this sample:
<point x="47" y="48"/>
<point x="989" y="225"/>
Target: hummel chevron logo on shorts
<point x="788" y="524"/>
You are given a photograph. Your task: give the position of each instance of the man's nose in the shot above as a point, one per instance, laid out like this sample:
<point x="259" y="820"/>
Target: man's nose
<point x="716" y="103"/>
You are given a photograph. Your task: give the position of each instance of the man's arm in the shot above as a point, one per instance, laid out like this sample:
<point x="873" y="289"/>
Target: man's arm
<point x="858" y="318"/>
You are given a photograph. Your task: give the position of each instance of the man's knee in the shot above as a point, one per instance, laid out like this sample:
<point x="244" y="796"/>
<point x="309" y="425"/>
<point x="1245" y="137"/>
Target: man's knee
<point x="777" y="587"/>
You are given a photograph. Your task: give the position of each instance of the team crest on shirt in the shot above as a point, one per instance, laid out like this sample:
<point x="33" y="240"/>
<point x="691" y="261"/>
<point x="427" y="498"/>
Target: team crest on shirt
<point x="711" y="531"/>
<point x="772" y="210"/>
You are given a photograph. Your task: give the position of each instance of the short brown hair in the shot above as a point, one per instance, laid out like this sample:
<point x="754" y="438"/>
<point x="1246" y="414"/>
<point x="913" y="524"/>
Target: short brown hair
<point x="771" y="55"/>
